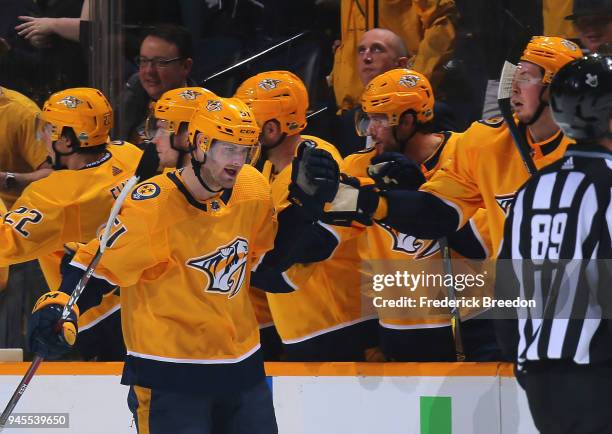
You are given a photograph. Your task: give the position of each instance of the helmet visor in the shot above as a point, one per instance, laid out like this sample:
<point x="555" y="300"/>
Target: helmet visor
<point x="45" y="131"/>
<point x="231" y="153"/>
<point x="364" y="122"/>
<point x="155" y="126"/>
<point x="524" y="77"/>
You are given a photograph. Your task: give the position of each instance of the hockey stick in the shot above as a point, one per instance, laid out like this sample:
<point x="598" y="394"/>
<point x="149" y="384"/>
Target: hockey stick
<point x="451" y="291"/>
<point x="503" y="100"/>
<point x="147" y="166"/>
<point x="254" y="57"/>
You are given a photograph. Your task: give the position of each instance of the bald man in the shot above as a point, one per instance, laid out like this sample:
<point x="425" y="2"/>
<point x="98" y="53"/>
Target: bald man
<point x="379" y="51"/>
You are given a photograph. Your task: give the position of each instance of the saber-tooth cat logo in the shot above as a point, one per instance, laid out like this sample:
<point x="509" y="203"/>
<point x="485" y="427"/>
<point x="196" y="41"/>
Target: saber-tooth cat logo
<point x="225" y="267"/>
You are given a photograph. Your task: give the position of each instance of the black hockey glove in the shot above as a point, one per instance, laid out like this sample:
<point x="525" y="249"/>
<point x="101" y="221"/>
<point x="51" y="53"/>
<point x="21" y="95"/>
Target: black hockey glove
<point x="353" y="203"/>
<point x="314" y="179"/>
<point x="148" y="165"/>
<point x="395" y="171"/>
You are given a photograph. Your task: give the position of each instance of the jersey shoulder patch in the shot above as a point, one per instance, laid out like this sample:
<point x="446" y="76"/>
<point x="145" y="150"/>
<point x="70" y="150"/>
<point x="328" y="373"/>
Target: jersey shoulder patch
<point x="148" y="190"/>
<point x="494" y="122"/>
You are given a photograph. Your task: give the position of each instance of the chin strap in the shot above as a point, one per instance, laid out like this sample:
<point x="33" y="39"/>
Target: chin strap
<point x="540" y="109"/>
<point x="197" y="166"/>
<point x="181" y="152"/>
<point x="58" y="154"/>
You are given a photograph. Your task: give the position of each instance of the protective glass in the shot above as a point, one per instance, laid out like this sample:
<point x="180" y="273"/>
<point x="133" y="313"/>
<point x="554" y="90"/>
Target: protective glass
<point x="364" y="121"/>
<point x="45" y="130"/>
<point x="525" y="78"/>
<point x="231" y="153"/>
<point x="154" y="126"/>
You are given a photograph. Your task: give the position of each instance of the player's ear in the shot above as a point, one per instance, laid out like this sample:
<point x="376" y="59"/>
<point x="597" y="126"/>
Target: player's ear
<point x="407" y="120"/>
<point x="546" y="94"/>
<point x="271" y="128"/>
<point x="402" y="62"/>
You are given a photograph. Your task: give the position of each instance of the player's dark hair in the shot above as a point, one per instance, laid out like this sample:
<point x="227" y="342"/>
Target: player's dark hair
<point x="176" y="35"/>
<point x="423" y="127"/>
<point x="69" y="133"/>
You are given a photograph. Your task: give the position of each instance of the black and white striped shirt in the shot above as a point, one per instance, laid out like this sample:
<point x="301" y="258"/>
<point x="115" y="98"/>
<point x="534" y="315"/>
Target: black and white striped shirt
<point x="557" y="252"/>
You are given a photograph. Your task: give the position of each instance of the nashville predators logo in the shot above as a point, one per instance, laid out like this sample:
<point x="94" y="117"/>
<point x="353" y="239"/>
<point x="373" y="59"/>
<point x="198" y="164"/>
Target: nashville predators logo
<point x="213" y="105"/>
<point x="145" y="191"/>
<point x="504" y="201"/>
<point x="189" y="94"/>
<point x="409" y="80"/>
<point x="569" y="45"/>
<point x="225" y="268"/>
<point x="70" y="102"/>
<point x="268" y="84"/>
<point x="410" y="245"/>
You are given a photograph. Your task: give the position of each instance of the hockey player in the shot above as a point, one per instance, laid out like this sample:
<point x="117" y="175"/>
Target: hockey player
<point x="556" y="251"/>
<point x="70" y="204"/>
<point x="22" y="157"/>
<point x="399" y="108"/>
<point x="167" y="127"/>
<point x="22" y="160"/>
<point x="486" y="169"/>
<point x="318" y="317"/>
<point x="182" y="251"/>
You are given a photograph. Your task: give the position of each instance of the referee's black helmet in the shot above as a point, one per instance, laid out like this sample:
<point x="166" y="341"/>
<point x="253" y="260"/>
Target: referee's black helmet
<point x="581" y="98"/>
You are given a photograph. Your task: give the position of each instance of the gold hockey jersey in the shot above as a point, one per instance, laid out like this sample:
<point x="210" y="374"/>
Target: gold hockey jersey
<point x="20" y="152"/>
<point x="385" y="251"/>
<point x="486" y="170"/>
<point x="68" y="205"/>
<point x="184" y="269"/>
<point x="325" y="297"/>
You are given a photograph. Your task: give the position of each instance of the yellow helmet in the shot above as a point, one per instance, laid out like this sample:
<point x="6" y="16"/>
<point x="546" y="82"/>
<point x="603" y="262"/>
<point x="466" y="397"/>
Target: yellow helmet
<point x="279" y="95"/>
<point x="225" y="119"/>
<point x="550" y="53"/>
<point x="85" y="110"/>
<point x="177" y="106"/>
<point x="396" y="91"/>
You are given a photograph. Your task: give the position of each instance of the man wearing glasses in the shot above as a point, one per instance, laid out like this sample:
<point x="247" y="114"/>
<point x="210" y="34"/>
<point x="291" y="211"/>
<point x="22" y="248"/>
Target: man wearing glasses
<point x="164" y="63"/>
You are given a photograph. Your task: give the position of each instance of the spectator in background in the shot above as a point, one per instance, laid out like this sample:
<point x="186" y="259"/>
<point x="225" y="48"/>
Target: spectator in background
<point x="38" y="31"/>
<point x="55" y="62"/>
<point x="164" y="63"/>
<point x="593" y="21"/>
<point x="378" y="51"/>
<point x="426" y="27"/>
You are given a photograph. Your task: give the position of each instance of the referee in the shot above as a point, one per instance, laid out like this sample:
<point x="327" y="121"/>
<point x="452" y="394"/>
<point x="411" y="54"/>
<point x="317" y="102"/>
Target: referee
<point x="556" y="252"/>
